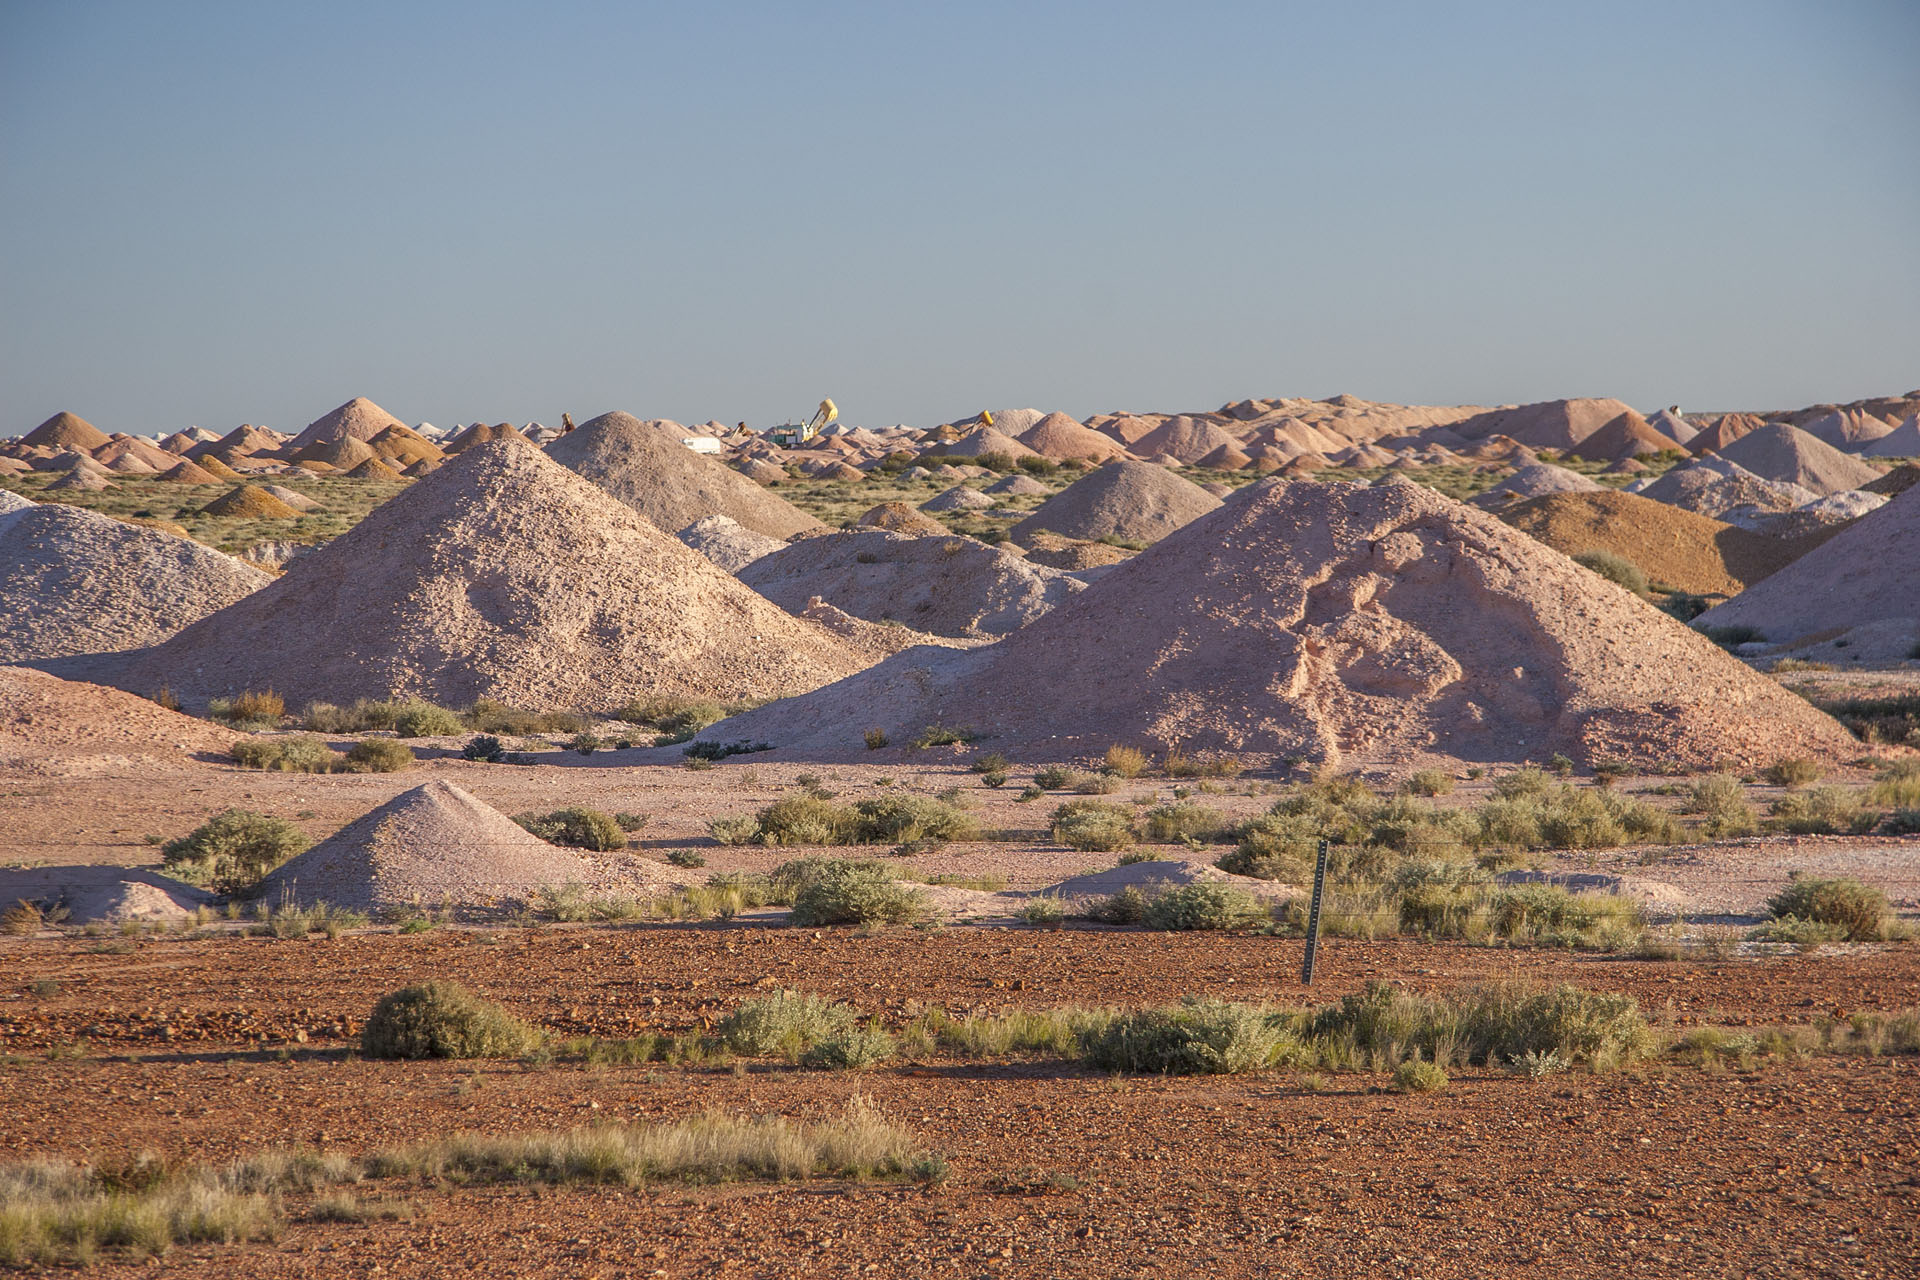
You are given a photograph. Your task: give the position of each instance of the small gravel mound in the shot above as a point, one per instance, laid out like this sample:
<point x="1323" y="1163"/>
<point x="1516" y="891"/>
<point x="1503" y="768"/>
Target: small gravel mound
<point x="1791" y="456"/>
<point x="898" y="517"/>
<point x="1534" y="480"/>
<point x="958" y="498"/>
<point x="249" y="502"/>
<point x="728" y="543"/>
<point x="1133" y="501"/>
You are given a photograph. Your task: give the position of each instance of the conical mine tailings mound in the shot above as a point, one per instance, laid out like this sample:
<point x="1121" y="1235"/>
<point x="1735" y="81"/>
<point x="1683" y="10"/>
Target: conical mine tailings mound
<point x="58" y="727"/>
<point x="431" y="846"/>
<point x="1671" y="546"/>
<point x="66" y="431"/>
<point x="1349" y="625"/>
<point x="77" y="582"/>
<point x="649" y="469"/>
<point x="1132" y="501"/>
<point x="359" y="418"/>
<point x="501" y="575"/>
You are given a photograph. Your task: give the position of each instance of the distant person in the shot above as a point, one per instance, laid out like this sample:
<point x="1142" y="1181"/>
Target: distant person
<point x="566" y="423"/>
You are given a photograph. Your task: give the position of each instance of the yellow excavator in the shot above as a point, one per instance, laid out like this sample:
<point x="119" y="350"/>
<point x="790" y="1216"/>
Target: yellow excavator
<point x="794" y="435"/>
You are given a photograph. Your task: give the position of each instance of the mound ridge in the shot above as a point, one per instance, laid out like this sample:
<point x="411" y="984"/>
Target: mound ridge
<point x="500" y="575"/>
<point x="1134" y="501"/>
<point x="434" y="844"/>
<point x="1865" y="573"/>
<point x="76" y="582"/>
<point x="1672" y="546"/>
<point x="44" y="719"/>
<point x="949" y="586"/>
<point x="647" y="468"/>
<point x="1346" y="625"/>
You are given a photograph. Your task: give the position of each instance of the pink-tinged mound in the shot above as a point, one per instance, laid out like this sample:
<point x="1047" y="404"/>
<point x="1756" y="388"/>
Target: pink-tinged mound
<point x="1350" y="626"/>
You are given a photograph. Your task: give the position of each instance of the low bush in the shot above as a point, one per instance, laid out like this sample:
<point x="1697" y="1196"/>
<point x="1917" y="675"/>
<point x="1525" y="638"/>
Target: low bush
<point x="1892" y="720"/>
<point x="233" y="851"/>
<point x="1206" y="905"/>
<point x="740" y="829"/>
<point x="1823" y="811"/>
<point x="687" y="858"/>
<point x="1484" y="1025"/>
<point x="262" y="706"/>
<point x="1616" y="569"/>
<point x="488" y="716"/>
<point x="1054" y="777"/>
<point x="1795" y="772"/>
<point x="1860" y="910"/>
<point x="417" y="719"/>
<point x="839" y="891"/>
<point x="1429" y="782"/>
<point x="1416" y="1076"/>
<point x="1204" y="1037"/>
<point x="379" y="755"/>
<point x="710" y="751"/>
<point x="1181" y="765"/>
<point x="300" y="753"/>
<point x="785" y="1024"/>
<point x="1093" y="826"/>
<point x="939" y="735"/>
<point x="586" y="743"/>
<point x="851" y="1050"/>
<point x="485" y="748"/>
<point x="443" y="1020"/>
<point x="1129" y="906"/>
<point x="875" y="739"/>
<point x="578" y="828"/>
<point x="1721" y="802"/>
<point x="1897" y="785"/>
<point x="1168" y="823"/>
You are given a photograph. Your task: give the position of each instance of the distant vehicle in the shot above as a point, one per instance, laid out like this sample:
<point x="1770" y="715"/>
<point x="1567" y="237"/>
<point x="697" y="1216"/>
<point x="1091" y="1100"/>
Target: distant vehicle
<point x="792" y="435"/>
<point x="703" y="444"/>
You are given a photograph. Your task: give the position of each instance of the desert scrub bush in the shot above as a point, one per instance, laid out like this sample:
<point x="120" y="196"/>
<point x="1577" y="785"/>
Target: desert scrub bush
<point x="903" y="818"/>
<point x="417" y="719"/>
<point x="785" y="1024"/>
<point x="1200" y="1037"/>
<point x="1549" y="915"/>
<point x="378" y="755"/>
<point x="232" y="851"/>
<point x="1168" y="823"/>
<point x="484" y="748"/>
<point x="1418" y="1076"/>
<point x="578" y="828"/>
<point x="488" y="716"/>
<point x="1128" y="906"/>
<point x="1124" y="762"/>
<point x="1616" y="569"/>
<point x="939" y="735"/>
<point x="1382" y="1026"/>
<point x="736" y="830"/>
<point x="705" y="753"/>
<point x="1795" y="772"/>
<point x="56" y="1214"/>
<point x="1205" y="905"/>
<point x="1721" y="803"/>
<point x="840" y="891"/>
<point x="1054" y="777"/>
<point x="1428" y="782"/>
<point x="875" y="739"/>
<point x="1181" y="765"/>
<point x="851" y="1050"/>
<point x="291" y="921"/>
<point x="1890" y="720"/>
<point x="1093" y="826"/>
<point x="253" y="706"/>
<point x="989" y="762"/>
<point x="443" y="1020"/>
<point x="687" y="858"/>
<point x="1525" y="781"/>
<point x="1045" y="910"/>
<point x="301" y="753"/>
<point x="1897" y="785"/>
<point x="1823" y="811"/>
<point x="1860" y="910"/>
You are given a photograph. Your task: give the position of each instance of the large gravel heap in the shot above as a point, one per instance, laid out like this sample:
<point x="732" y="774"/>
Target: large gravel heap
<point x="950" y="586"/>
<point x="359" y="418"/>
<point x="1345" y="625"/>
<point x="1868" y="572"/>
<point x="501" y="575"/>
<point x="727" y="542"/>
<point x="647" y="467"/>
<point x="431" y="846"/>
<point x="1790" y="456"/>
<point x="52" y="726"/>
<point x="1713" y="486"/>
<point x="75" y="581"/>
<point x="1132" y="501"/>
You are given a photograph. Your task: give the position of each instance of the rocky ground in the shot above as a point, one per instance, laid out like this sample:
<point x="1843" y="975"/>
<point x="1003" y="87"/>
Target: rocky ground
<point x="216" y="1047"/>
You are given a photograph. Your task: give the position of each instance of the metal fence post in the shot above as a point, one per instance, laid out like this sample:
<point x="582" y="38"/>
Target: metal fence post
<point x="1313" y="916"/>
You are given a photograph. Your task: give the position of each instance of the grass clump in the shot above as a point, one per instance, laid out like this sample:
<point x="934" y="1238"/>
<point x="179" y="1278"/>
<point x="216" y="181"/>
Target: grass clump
<point x="939" y="735"/>
<point x="379" y="755"/>
<point x="1199" y="1037"/>
<point x="417" y="719"/>
<point x="1795" y="772"/>
<point x="1093" y="826"/>
<point x="1183" y="821"/>
<point x="1205" y="905"/>
<point x="253" y="706"/>
<point x="1416" y="1076"/>
<point x="811" y="819"/>
<point x="1124" y="762"/>
<point x="64" y="1214"/>
<point x="1383" y="1026"/>
<point x="301" y="753"/>
<point x="1897" y="785"/>
<point x="488" y="716"/>
<point x="577" y="828"/>
<point x="854" y="1049"/>
<point x="842" y="891"/>
<point x="1428" y="782"/>
<point x="1859" y="911"/>
<point x="1721" y="803"/>
<point x="233" y="851"/>
<point x="443" y="1020"/>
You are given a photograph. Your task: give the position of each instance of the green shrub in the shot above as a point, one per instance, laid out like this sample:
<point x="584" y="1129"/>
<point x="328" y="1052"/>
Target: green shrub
<point x="993" y="778"/>
<point x="1548" y="913"/>
<point x="1183" y="821"/>
<point x="1416" y="1076"/>
<point x="989" y="762"/>
<point x="1483" y="1025"/>
<point x="740" y="829"/>
<point x="711" y="751"/>
<point x="301" y="753"/>
<point x="1525" y="781"/>
<point x="1043" y="910"/>
<point x="1093" y="826"/>
<point x="1721" y="802"/>
<point x="1124" y="762"/>
<point x="579" y="828"/>
<point x="1897" y="785"/>
<point x="443" y="1020"/>
<point x="939" y="735"/>
<point x="676" y="719"/>
<point x="417" y="719"/>
<point x="1805" y="934"/>
<point x="845" y="892"/>
<point x="1795" y="772"/>
<point x="1129" y="906"/>
<point x="1429" y="782"/>
<point x="1093" y="784"/>
<point x="851" y="1050"/>
<point x="787" y="1024"/>
<point x="488" y="716"/>
<point x="233" y="851"/>
<point x="875" y="739"/>
<point x="1208" y="1037"/>
<point x="807" y="819"/>
<point x="1860" y="909"/>
<point x="260" y="705"/>
<point x="687" y="858"/>
<point x="1053" y="777"/>
<point x="1615" y="568"/>
<point x="902" y="818"/>
<point x="379" y="755"/>
<point x="1823" y="811"/>
<point x="586" y="743"/>
<point x="1206" y="905"/>
<point x="485" y="748"/>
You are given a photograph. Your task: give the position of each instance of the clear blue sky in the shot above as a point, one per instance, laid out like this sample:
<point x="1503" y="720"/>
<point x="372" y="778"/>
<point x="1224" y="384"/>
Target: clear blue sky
<point x="215" y="213"/>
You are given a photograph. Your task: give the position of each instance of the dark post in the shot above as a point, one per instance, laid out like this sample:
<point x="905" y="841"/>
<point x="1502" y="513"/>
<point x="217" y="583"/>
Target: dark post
<point x="1313" y="916"/>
